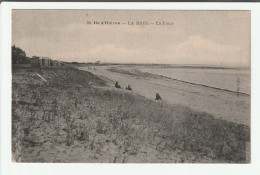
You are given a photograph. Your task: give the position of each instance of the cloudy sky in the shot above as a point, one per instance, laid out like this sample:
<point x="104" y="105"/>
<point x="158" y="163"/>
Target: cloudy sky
<point x="196" y="37"/>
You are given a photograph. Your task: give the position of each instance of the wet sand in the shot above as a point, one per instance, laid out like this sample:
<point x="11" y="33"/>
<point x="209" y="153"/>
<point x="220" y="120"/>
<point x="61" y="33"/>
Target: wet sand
<point x="221" y="104"/>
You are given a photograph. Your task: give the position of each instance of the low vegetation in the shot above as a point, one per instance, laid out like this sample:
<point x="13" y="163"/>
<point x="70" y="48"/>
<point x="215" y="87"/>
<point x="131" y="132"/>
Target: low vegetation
<point x="75" y="117"/>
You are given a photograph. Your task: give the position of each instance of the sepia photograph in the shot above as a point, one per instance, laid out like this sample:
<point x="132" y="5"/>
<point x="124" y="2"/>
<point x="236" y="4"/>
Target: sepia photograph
<point x="131" y="86"/>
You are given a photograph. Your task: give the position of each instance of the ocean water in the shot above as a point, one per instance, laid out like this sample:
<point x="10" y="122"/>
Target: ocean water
<point x="229" y="79"/>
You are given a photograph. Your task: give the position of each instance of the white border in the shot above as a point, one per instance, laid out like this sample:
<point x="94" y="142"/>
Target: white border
<point x="8" y="168"/>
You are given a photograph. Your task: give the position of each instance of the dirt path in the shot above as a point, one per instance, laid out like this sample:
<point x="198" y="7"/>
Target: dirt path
<point x="221" y="104"/>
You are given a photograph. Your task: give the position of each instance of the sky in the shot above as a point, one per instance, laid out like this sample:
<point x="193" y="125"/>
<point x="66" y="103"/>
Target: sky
<point x="193" y="37"/>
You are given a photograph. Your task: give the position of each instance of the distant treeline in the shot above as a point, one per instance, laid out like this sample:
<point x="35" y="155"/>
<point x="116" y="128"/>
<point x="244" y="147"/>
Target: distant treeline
<point x="19" y="56"/>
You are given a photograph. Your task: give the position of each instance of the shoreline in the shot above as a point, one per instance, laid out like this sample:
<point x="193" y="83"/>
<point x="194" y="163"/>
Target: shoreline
<point x="178" y="80"/>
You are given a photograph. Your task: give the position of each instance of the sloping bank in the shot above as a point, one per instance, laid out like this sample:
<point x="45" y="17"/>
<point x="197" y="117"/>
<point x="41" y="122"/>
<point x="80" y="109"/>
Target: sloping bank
<point x="75" y="117"/>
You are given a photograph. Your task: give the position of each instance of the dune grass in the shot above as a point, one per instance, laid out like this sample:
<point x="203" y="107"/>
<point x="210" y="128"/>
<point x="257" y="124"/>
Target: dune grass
<point x="74" y="117"/>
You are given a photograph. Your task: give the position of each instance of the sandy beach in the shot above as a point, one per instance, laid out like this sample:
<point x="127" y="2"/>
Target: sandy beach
<point x="221" y="104"/>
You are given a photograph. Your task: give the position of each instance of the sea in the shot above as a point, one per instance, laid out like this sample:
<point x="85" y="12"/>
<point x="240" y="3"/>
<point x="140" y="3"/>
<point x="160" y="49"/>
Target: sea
<point x="231" y="79"/>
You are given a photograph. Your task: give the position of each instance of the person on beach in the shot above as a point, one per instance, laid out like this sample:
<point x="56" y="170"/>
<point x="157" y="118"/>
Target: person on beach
<point x="128" y="88"/>
<point x="158" y="97"/>
<point x="117" y="85"/>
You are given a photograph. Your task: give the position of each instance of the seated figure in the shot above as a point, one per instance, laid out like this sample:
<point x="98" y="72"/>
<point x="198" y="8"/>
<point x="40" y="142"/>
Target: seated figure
<point x="117" y="85"/>
<point x="158" y="97"/>
<point x="128" y="88"/>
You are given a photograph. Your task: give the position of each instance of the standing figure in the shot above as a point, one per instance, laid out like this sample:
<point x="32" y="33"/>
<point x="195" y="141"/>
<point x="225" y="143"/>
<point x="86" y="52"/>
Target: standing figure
<point x="238" y="86"/>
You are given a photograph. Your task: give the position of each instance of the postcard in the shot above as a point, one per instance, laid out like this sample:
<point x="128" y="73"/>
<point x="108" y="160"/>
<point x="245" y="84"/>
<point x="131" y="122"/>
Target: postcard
<point x="130" y="86"/>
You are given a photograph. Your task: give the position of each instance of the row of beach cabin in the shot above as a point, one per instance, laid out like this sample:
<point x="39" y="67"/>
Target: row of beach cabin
<point x="44" y="62"/>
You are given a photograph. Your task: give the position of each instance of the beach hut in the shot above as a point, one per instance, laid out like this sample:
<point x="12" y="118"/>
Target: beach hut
<point x="35" y="61"/>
